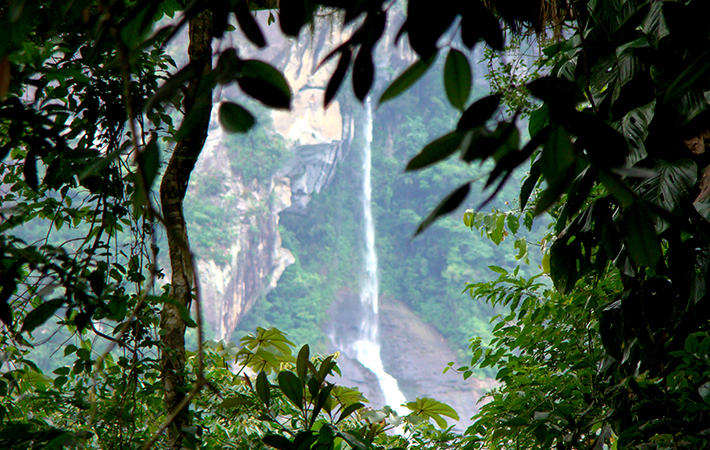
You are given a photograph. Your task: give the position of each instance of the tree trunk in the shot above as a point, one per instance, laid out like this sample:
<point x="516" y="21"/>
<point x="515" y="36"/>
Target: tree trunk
<point x="198" y="104"/>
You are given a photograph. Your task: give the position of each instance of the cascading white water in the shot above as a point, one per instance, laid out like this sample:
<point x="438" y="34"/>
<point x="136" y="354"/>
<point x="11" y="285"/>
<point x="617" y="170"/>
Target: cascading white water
<point x="367" y="347"/>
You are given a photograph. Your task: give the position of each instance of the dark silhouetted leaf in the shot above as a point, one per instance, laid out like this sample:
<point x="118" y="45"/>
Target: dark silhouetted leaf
<point x="478" y="22"/>
<point x="41" y="314"/>
<point x="557" y="156"/>
<point x="530" y="183"/>
<point x="670" y="183"/>
<point x="291" y="386"/>
<point x="436" y="151"/>
<point x="234" y="118"/>
<point x="407" y="78"/>
<point x="292" y="17"/>
<point x="263" y="388"/>
<point x="447" y="206"/>
<point x="478" y="113"/>
<point x="265" y="83"/>
<point x="363" y="73"/>
<point x="457" y="78"/>
<point x="274" y="440"/>
<point x="248" y="24"/>
<point x="302" y="362"/>
<point x="168" y="90"/>
<point x="556" y="92"/>
<point x="605" y="146"/>
<point x="696" y="71"/>
<point x="150" y="162"/>
<point x="640" y="236"/>
<point x="9" y="283"/>
<point x="538" y="120"/>
<point x="338" y="76"/>
<point x="29" y="170"/>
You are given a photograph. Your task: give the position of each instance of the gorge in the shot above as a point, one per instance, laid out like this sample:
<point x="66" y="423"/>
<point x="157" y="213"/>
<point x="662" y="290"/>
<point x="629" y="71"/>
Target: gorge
<point x="281" y="240"/>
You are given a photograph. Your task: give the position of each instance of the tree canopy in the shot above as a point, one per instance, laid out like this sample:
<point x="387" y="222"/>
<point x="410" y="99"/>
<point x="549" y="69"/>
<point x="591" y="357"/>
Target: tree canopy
<point x="618" y="125"/>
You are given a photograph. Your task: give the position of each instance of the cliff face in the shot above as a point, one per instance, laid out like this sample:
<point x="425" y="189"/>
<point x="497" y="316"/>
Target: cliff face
<point x="318" y="141"/>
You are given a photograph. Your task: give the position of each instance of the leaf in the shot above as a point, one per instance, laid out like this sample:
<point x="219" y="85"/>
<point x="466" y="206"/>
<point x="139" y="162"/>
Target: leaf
<point x="349" y="410"/>
<point x="558" y="93"/>
<point x="530" y="183"/>
<point x="407" y="78"/>
<point x="149" y="160"/>
<point x="9" y="283"/>
<point x="429" y="408"/>
<point x="538" y="120"/>
<point x="29" y="170"/>
<point x="263" y="388"/>
<point x="671" y="182"/>
<point x="248" y="24"/>
<point x="276" y="441"/>
<point x="640" y="235"/>
<point x="41" y="314"/>
<point x="558" y="156"/>
<point x="457" y="78"/>
<point x="291" y="386"/>
<point x="436" y="151"/>
<point x="174" y="83"/>
<point x="448" y="205"/>
<point x="231" y="402"/>
<point x="234" y="118"/>
<point x="302" y="362"/>
<point x="695" y="72"/>
<point x="363" y="72"/>
<point x="478" y="113"/>
<point x="338" y="76"/>
<point x="265" y="83"/>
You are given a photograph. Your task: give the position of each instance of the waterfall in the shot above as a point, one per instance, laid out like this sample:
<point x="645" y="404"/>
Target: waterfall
<point x="367" y="347"/>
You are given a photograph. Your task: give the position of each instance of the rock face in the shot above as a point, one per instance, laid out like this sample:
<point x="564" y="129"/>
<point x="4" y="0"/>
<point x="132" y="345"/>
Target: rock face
<point x="319" y="140"/>
<point x="412" y="351"/>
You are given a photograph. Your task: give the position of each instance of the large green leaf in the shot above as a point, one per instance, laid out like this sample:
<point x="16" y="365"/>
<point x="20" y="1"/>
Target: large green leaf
<point x="436" y="151"/>
<point x="41" y="314"/>
<point x="429" y="408"/>
<point x="407" y="78"/>
<point x="263" y="388"/>
<point x="338" y="76"/>
<point x="447" y="206"/>
<point x="457" y="78"/>
<point x="671" y="182"/>
<point x="478" y="113"/>
<point x="642" y="243"/>
<point x="291" y="386"/>
<point x="634" y="127"/>
<point x="264" y="83"/>
<point x="558" y="156"/>
<point x="234" y="118"/>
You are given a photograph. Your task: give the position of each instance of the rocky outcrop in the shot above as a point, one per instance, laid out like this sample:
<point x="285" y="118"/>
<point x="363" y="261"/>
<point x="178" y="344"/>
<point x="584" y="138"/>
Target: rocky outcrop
<point x="412" y="351"/>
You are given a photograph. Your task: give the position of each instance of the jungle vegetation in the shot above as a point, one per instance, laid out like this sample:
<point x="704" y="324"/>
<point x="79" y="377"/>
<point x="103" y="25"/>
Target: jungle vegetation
<point x="613" y="354"/>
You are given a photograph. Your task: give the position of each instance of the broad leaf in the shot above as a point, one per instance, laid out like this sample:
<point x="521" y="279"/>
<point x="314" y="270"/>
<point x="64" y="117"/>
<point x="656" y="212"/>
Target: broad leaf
<point x="263" y="388"/>
<point x="457" y="78"/>
<point x="429" y="408"/>
<point x="447" y="206"/>
<point x="337" y="79"/>
<point x="41" y="314"/>
<point x="671" y="183"/>
<point x="349" y="410"/>
<point x="407" y="78"/>
<point x="302" y="362"/>
<point x="558" y="156"/>
<point x="248" y="24"/>
<point x="234" y="118"/>
<point x="436" y="151"/>
<point x="265" y="83"/>
<point x="291" y="386"/>
<point x="478" y="113"/>
<point x="231" y="402"/>
<point x="640" y="236"/>
<point x="277" y="441"/>
<point x="363" y="72"/>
